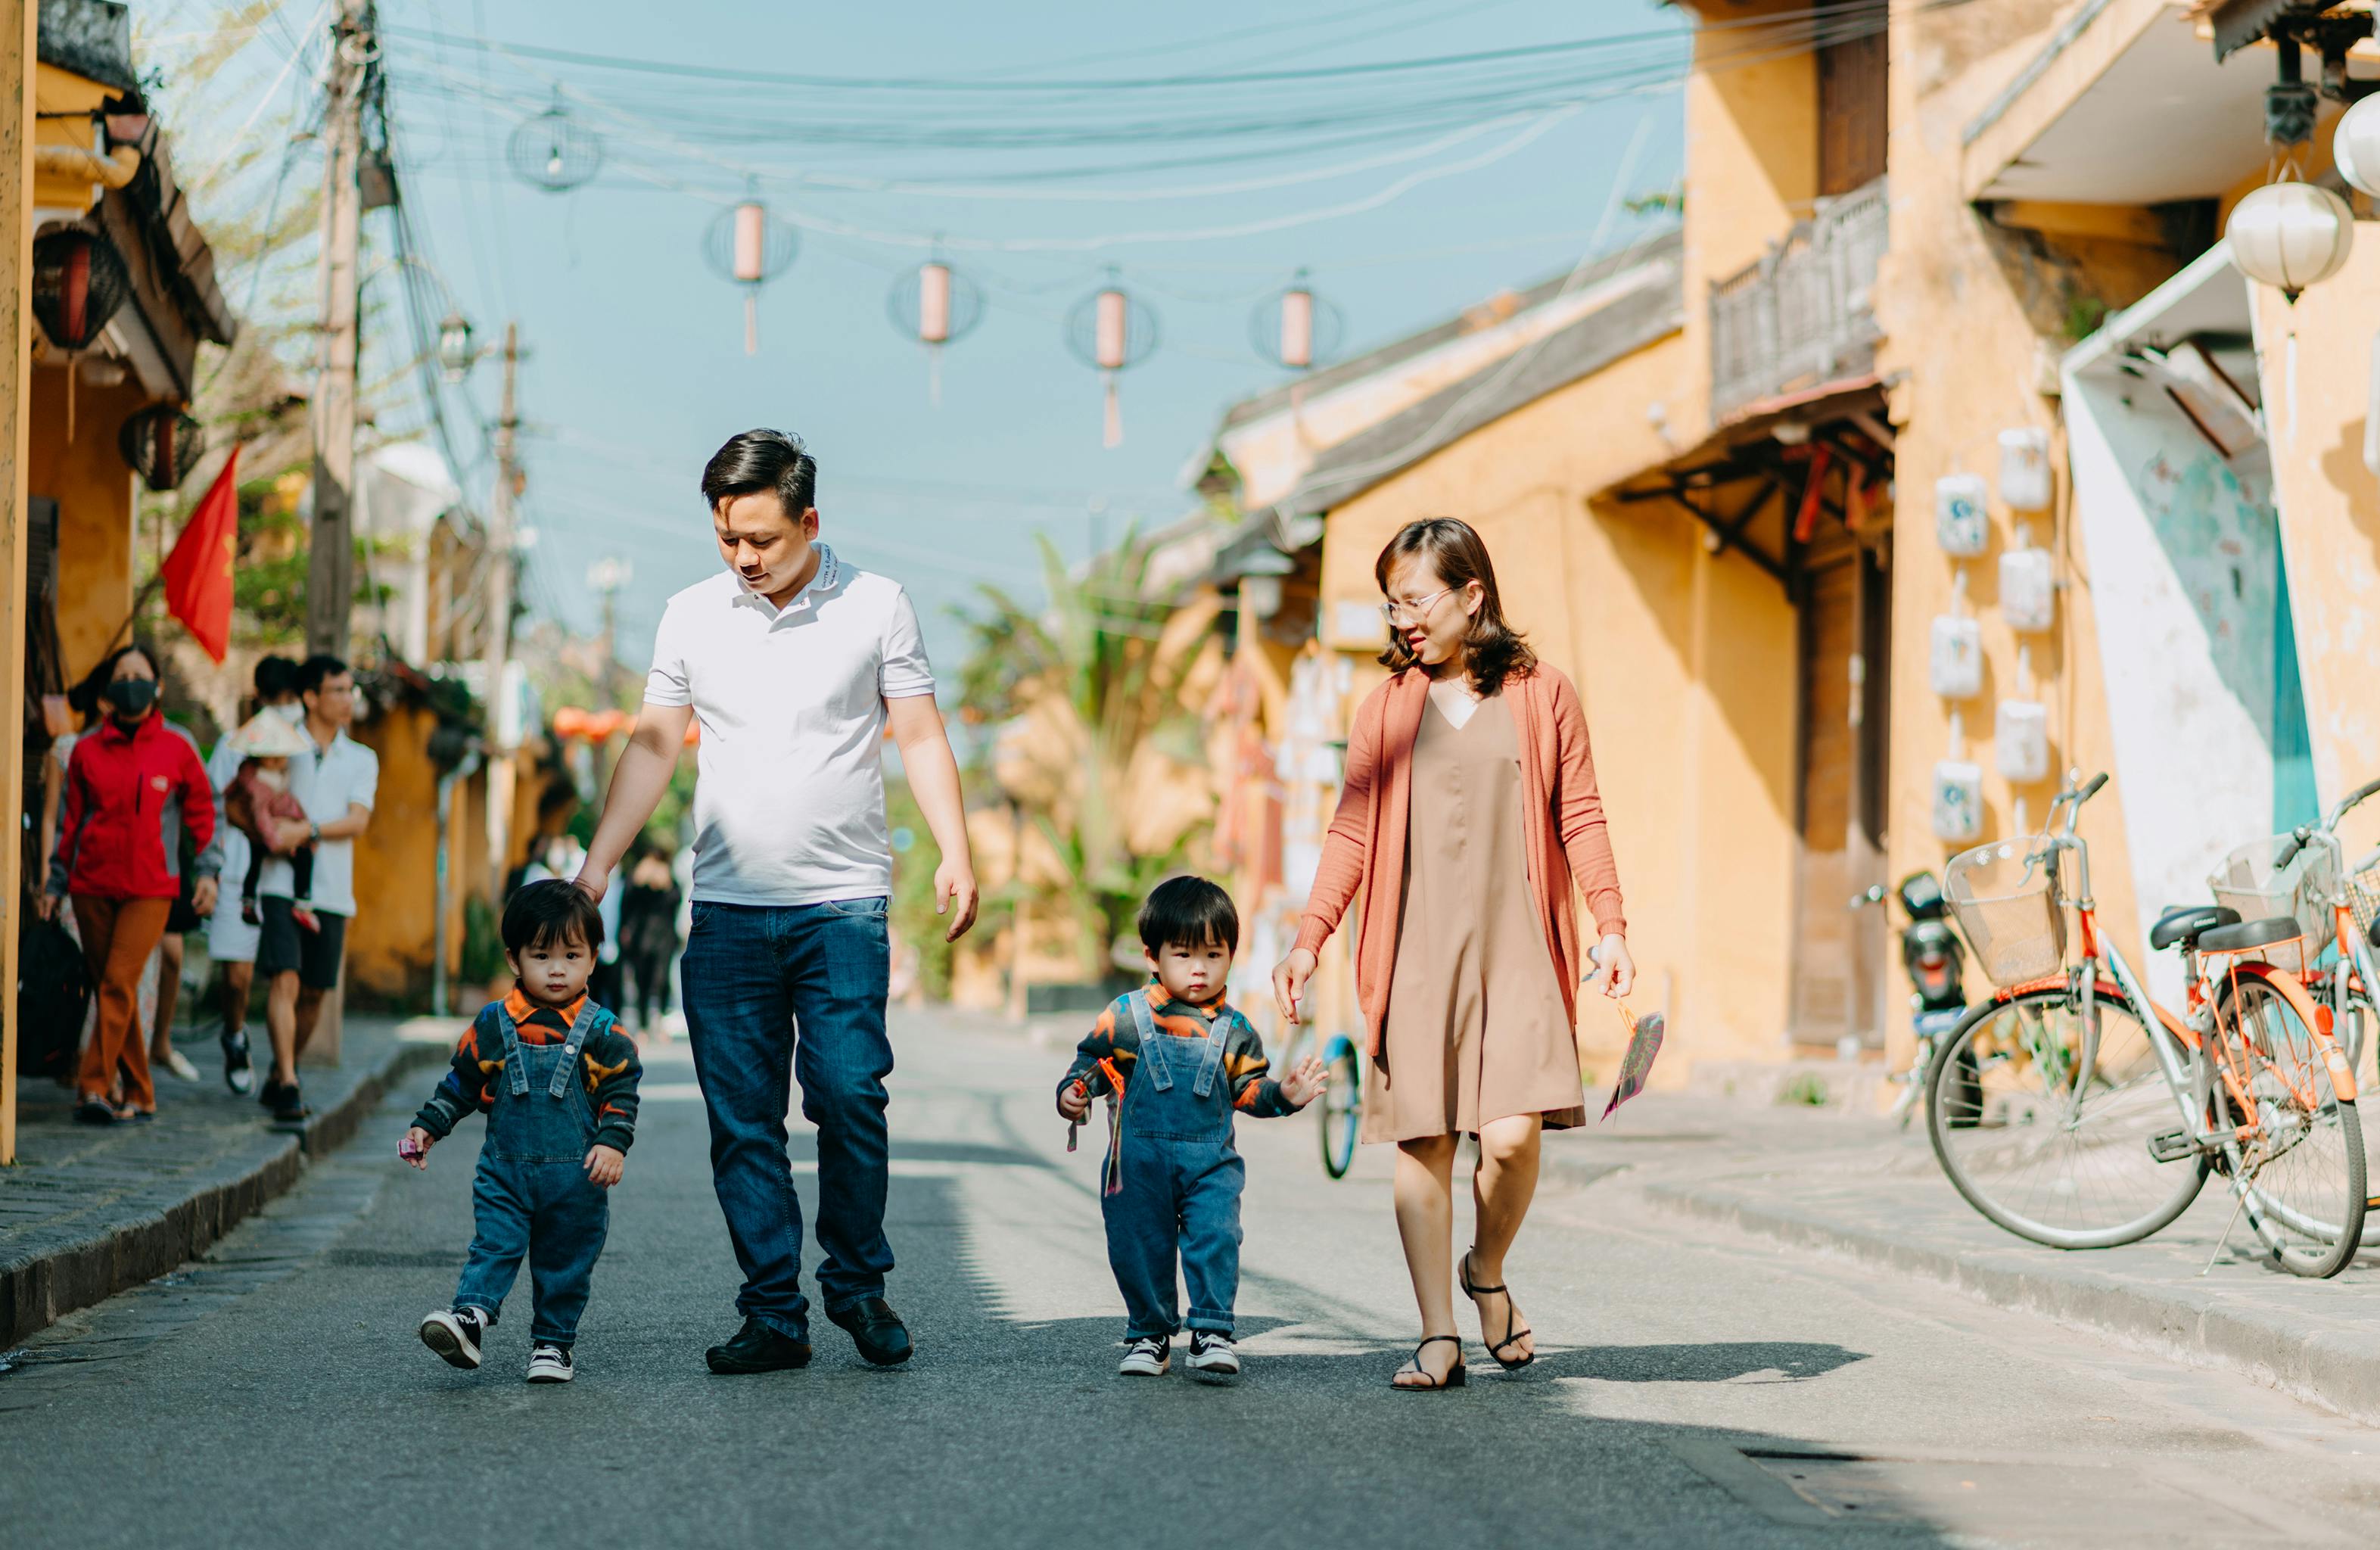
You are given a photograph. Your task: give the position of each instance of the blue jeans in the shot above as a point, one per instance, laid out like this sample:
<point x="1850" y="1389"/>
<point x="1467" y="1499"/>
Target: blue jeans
<point x="751" y="974"/>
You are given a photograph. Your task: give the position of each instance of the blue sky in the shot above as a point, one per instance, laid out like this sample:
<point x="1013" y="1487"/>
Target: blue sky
<point x="639" y="370"/>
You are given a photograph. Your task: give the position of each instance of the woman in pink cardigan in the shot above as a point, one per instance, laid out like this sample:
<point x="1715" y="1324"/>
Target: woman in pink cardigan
<point x="1468" y="816"/>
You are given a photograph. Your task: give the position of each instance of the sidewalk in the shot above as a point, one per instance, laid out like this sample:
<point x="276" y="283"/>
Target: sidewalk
<point x="88" y="1210"/>
<point x="1864" y="1189"/>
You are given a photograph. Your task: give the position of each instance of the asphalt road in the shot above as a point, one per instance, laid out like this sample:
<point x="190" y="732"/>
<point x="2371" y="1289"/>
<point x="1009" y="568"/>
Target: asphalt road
<point x="1696" y="1388"/>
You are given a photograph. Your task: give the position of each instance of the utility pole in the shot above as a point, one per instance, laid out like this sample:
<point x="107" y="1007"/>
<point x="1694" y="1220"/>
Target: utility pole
<point x="496" y="623"/>
<point x="331" y="568"/>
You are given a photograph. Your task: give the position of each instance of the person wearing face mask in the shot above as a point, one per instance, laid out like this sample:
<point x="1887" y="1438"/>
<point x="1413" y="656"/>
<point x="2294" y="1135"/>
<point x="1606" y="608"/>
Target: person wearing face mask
<point x="132" y="786"/>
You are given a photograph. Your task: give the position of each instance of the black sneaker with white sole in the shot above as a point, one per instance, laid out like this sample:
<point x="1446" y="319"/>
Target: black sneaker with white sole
<point x="550" y="1364"/>
<point x="1146" y="1358"/>
<point x="239" y="1074"/>
<point x="1211" y="1356"/>
<point x="456" y="1334"/>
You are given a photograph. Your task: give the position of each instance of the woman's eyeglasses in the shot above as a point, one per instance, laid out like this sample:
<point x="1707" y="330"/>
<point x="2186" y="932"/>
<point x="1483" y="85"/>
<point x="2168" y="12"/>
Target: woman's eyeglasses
<point x="1395" y="613"/>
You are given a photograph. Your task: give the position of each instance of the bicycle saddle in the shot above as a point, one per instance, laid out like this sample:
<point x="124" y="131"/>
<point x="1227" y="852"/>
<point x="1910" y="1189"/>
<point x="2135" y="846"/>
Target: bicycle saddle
<point x="2183" y="923"/>
<point x="2249" y="933"/>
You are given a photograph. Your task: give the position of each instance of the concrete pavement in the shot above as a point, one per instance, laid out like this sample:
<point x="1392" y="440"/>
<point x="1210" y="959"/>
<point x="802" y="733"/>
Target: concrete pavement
<point x="1700" y="1386"/>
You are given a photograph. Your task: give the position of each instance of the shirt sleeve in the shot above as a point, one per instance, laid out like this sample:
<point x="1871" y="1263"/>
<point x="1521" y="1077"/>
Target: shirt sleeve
<point x="905" y="672"/>
<point x="669" y="683"/>
<point x="364" y="790"/>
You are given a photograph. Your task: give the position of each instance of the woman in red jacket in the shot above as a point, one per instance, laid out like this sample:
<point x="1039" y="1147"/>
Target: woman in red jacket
<point x="132" y="786"/>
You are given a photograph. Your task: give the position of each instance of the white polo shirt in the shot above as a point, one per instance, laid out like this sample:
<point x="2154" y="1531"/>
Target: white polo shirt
<point x="326" y="783"/>
<point x="789" y="802"/>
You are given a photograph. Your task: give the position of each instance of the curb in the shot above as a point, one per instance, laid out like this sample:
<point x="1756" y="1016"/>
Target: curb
<point x="39" y="1290"/>
<point x="2331" y="1362"/>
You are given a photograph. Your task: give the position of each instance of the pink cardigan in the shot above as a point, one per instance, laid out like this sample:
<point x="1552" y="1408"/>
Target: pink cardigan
<point x="1562" y="828"/>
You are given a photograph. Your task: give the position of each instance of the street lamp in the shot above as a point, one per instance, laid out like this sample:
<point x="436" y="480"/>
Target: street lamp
<point x="454" y="351"/>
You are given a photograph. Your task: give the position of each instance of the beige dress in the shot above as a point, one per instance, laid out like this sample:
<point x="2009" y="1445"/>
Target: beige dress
<point x="1476" y="1030"/>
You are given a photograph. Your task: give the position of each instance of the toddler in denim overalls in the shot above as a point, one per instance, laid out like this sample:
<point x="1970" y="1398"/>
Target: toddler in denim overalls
<point x="558" y="1081"/>
<point x="1177" y="1064"/>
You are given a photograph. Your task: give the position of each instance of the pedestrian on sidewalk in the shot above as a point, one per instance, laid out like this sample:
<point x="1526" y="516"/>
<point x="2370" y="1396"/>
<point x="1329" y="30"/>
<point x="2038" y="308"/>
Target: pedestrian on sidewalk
<point x="335" y="781"/>
<point x="649" y="939"/>
<point x="181" y="919"/>
<point x="232" y="938"/>
<point x="557" y="1078"/>
<point x="1184" y="1065"/>
<point x="132" y="784"/>
<point x="1468" y="815"/>
<point x="797" y="663"/>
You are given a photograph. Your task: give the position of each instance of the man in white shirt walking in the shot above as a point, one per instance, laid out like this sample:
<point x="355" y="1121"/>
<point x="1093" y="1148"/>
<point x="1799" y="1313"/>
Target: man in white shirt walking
<point x="795" y="664"/>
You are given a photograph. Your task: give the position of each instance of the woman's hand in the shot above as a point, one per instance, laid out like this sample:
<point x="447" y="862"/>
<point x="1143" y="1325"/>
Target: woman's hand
<point x="1289" y="982"/>
<point x="1614" y="972"/>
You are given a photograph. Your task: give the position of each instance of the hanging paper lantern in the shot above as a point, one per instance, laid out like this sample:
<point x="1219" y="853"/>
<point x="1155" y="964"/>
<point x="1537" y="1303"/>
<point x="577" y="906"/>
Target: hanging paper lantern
<point x="555" y="152"/>
<point x="2290" y="236"/>
<point x="78" y="282"/>
<point x="2355" y="147"/>
<point x="751" y="247"/>
<point x="1296" y="328"/>
<point x="1114" y="332"/>
<point x="162" y="444"/>
<point x="934" y="304"/>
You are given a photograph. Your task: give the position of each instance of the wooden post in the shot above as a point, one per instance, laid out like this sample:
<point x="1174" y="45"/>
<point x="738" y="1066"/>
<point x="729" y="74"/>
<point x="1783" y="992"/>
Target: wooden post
<point x="331" y="566"/>
<point x="17" y="58"/>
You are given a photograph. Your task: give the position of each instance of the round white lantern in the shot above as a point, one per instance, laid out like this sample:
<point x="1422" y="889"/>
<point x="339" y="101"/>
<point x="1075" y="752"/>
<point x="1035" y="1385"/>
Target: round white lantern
<point x="2290" y="236"/>
<point x="2356" y="147"/>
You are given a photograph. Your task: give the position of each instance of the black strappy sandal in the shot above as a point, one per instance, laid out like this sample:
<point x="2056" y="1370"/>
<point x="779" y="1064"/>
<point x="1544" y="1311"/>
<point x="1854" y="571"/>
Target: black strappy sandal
<point x="1456" y="1375"/>
<point x="1495" y="1347"/>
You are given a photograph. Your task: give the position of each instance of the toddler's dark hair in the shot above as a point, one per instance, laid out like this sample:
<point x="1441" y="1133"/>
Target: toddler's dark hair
<point x="545" y="913"/>
<point x="1188" y="912"/>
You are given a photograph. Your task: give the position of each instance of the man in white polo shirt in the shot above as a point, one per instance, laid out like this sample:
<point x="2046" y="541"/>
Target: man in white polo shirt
<point x="795" y="664"/>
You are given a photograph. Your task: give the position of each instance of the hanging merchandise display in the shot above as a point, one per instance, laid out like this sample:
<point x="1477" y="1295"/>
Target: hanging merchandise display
<point x="1296" y="330"/>
<point x="2028" y="591"/>
<point x="750" y="247"/>
<point x="1958" y="800"/>
<point x="2290" y="236"/>
<point x="1114" y="331"/>
<point x="1961" y="525"/>
<point x="554" y="151"/>
<point x="1954" y="664"/>
<point x="934" y="304"/>
<point x="2025" y="469"/>
<point x="2020" y="740"/>
<point x="162" y="444"/>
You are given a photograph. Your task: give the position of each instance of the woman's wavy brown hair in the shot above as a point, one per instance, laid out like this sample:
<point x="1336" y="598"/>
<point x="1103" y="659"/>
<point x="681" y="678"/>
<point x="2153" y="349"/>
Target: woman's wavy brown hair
<point x="1456" y="551"/>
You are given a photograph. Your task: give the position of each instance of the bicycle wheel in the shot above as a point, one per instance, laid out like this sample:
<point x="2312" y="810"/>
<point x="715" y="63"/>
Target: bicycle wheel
<point x="1341" y="1107"/>
<point x="2303" y="1160"/>
<point x="2051" y="1147"/>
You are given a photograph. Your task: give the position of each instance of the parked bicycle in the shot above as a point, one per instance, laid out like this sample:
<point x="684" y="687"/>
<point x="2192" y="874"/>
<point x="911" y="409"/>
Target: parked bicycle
<point x="1934" y="959"/>
<point x="2304" y="874"/>
<point x="2073" y="1110"/>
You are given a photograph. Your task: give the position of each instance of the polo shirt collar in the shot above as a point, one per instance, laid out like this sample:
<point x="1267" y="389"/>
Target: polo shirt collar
<point x="823" y="580"/>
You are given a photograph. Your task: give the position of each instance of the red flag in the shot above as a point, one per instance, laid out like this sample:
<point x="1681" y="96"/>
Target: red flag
<point x="198" y="573"/>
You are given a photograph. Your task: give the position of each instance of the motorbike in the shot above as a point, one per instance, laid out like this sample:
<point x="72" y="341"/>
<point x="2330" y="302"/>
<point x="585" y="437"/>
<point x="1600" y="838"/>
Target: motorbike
<point x="1935" y="959"/>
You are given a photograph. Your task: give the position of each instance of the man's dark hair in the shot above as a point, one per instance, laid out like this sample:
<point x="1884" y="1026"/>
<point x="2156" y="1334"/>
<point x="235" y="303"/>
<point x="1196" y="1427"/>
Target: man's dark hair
<point x="552" y="913"/>
<point x="1188" y="912"/>
<point x="314" y="669"/>
<point x="762" y="459"/>
<point x="276" y="679"/>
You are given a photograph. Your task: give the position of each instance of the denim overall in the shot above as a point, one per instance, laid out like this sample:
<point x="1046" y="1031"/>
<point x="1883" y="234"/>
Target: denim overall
<point x="1177" y="1182"/>
<point x="532" y="1196"/>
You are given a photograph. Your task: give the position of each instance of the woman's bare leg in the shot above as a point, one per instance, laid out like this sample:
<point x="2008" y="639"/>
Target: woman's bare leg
<point x="1500" y="1191"/>
<point x="1425" y="1190"/>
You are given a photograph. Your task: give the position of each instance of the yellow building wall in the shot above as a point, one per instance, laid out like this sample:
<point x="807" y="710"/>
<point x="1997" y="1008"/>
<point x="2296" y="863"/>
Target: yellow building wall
<point x="94" y="488"/>
<point x="1685" y="662"/>
<point x="390" y="941"/>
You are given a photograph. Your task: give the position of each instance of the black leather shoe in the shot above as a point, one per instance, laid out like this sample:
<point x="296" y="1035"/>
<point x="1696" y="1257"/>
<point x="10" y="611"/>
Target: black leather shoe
<point x="757" y="1348"/>
<point x="876" y="1329"/>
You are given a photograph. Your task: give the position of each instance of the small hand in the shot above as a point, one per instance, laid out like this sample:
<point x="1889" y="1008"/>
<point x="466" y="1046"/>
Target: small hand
<point x="289" y="835"/>
<point x="202" y="896"/>
<point x="1073" y="1101"/>
<point x="1289" y="982"/>
<point x="1306" y="1083"/>
<point x="48" y="906"/>
<point x="604" y="1166"/>
<point x="955" y="895"/>
<point x="1611" y="969"/>
<point x="416" y="1147"/>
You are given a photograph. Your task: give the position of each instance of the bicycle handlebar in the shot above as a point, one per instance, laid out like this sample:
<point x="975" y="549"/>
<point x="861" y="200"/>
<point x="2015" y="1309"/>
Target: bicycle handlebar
<point x="2348" y="803"/>
<point x="2289" y="852"/>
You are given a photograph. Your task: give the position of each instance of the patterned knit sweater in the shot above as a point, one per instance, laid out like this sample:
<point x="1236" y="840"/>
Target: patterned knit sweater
<point x="1116" y="1040"/>
<point x="607" y="1063"/>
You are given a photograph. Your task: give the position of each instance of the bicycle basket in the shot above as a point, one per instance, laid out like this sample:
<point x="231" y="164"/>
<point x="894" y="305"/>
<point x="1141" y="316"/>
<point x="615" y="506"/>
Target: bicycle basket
<point x="2005" y="895"/>
<point x="2250" y="882"/>
<point x="2362" y="892"/>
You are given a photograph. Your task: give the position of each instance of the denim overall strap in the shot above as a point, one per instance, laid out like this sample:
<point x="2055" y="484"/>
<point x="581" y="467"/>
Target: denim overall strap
<point x="515" y="1069"/>
<point x="580" y="1031"/>
<point x="1212" y="1060"/>
<point x="1152" y="1044"/>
